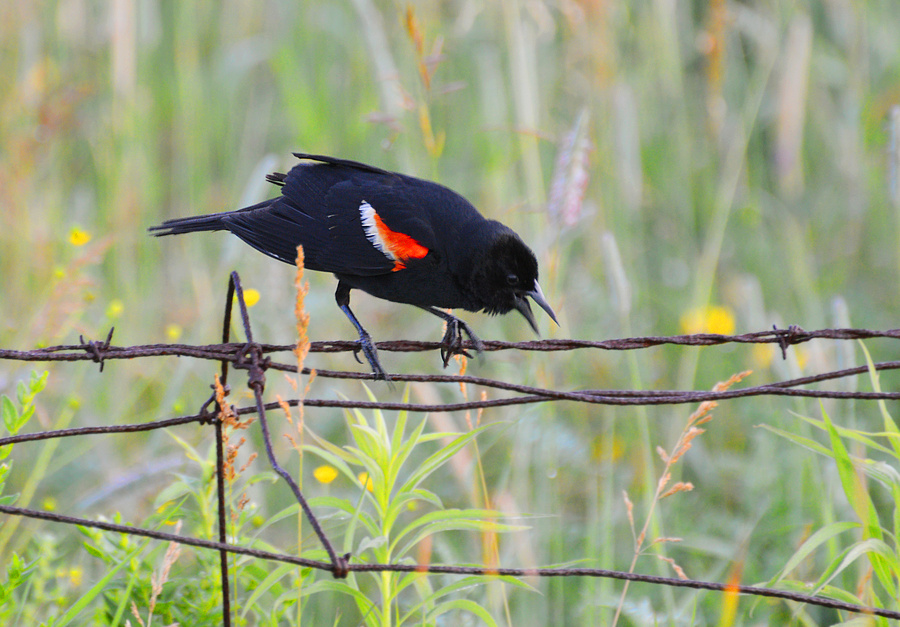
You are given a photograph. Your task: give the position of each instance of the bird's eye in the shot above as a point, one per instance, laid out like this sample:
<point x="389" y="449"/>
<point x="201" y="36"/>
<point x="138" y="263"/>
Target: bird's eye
<point x="512" y="279"/>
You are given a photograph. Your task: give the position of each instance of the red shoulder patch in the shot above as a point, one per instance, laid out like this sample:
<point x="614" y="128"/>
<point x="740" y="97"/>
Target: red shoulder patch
<point x="395" y="245"/>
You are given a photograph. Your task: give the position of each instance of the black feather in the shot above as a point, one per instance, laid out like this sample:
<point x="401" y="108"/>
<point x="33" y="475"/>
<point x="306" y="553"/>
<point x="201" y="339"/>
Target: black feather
<point x="394" y="236"/>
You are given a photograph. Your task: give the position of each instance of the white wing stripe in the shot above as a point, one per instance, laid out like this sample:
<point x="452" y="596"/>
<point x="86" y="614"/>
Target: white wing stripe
<point x="370" y="228"/>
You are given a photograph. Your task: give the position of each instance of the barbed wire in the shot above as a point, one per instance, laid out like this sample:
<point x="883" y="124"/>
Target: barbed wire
<point x="534" y="395"/>
<point x="436" y="569"/>
<point x="253" y="357"/>
<point x="102" y="351"/>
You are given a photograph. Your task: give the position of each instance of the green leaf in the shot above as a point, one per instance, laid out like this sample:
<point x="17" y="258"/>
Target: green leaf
<point x="380" y="424"/>
<point x="25" y="416"/>
<point x="463" y="605"/>
<point x="98" y="588"/>
<point x="96" y="552"/>
<point x="402" y="450"/>
<point x="278" y="573"/>
<point x="287" y="512"/>
<point x="439" y="458"/>
<point x="38" y="381"/>
<point x="879" y="471"/>
<point x="863" y="437"/>
<point x="810" y="545"/>
<point x="366" y="606"/>
<point x="172" y="492"/>
<point x="427" y="496"/>
<point x="806" y="443"/>
<point x="370" y="543"/>
<point x="336" y="451"/>
<point x="400" y="424"/>
<point x="9" y="413"/>
<point x="861" y="503"/>
<point x="342" y="504"/>
<point x="889" y="425"/>
<point x="192" y="453"/>
<point x="21" y="394"/>
<point x="461" y="584"/>
<point x="882" y="472"/>
<point x="369" y="445"/>
<point x="400" y="504"/>
<point x="875" y="550"/>
<point x="850" y="480"/>
<point x="451" y="520"/>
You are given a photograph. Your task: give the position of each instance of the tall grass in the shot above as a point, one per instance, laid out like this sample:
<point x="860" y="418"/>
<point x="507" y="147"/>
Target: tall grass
<point x="734" y="156"/>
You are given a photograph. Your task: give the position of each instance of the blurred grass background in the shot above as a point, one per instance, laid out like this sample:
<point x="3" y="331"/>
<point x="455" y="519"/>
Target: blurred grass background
<point x="677" y="167"/>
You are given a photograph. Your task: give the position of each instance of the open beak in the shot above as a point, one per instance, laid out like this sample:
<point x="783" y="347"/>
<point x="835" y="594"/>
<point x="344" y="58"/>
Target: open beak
<point x="537" y="296"/>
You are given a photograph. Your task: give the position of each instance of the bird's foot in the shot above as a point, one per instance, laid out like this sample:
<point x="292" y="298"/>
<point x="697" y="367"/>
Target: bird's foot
<point x="452" y="342"/>
<point x="367" y="346"/>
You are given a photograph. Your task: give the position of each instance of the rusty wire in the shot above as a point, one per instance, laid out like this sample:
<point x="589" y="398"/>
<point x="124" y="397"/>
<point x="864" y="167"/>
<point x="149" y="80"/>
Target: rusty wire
<point x="102" y="351"/>
<point x="253" y="357"/>
<point x="531" y="395"/>
<point x="436" y="569"/>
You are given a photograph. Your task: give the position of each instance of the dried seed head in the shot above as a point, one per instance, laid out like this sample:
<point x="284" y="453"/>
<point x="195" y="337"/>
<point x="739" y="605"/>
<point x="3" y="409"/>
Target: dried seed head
<point x="681" y="486"/>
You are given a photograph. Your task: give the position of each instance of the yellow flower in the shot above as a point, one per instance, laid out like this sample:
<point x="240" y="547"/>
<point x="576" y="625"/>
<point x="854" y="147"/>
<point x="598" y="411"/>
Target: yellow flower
<point x="115" y="309"/>
<point x="802" y="357"/>
<point x="173" y="332"/>
<point x="366" y="480"/>
<point x="325" y="474"/>
<point x="251" y="297"/>
<point x="691" y="321"/>
<point x="720" y="320"/>
<point x="75" y="576"/>
<point x="716" y="319"/>
<point x="77" y="237"/>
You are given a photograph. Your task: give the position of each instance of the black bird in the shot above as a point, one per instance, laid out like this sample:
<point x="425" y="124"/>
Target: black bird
<point x="394" y="236"/>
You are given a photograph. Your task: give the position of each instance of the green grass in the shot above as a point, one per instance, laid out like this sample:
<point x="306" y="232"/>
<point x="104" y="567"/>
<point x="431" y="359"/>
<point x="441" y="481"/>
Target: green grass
<point x="737" y="159"/>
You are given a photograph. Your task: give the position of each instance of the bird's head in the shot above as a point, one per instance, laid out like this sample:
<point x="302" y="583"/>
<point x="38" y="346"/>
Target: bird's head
<point x="505" y="276"/>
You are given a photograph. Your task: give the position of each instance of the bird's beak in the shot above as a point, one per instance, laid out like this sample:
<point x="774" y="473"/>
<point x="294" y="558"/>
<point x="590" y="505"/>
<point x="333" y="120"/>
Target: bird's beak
<point x="538" y="297"/>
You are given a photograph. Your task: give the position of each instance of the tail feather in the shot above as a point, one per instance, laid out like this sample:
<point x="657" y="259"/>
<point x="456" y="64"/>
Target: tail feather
<point x="211" y="222"/>
<point x="176" y="226"/>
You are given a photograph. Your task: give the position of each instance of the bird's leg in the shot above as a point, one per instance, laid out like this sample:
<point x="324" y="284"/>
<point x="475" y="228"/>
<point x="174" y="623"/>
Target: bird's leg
<point x="452" y="342"/>
<point x="366" y="345"/>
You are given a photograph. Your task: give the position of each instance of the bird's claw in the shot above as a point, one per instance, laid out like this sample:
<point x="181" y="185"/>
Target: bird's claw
<point x="452" y="342"/>
<point x="368" y="349"/>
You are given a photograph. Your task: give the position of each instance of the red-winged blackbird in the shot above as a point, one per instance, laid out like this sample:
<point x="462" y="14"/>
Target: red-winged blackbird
<point x="394" y="236"/>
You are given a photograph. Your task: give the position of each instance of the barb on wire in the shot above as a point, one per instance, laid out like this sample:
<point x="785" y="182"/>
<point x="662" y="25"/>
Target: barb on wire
<point x="96" y="350"/>
<point x="457" y="570"/>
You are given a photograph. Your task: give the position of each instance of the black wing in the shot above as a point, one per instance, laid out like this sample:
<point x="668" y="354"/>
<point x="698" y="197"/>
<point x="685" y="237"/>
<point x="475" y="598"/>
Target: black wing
<point x="323" y="206"/>
<point x="350" y="218"/>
